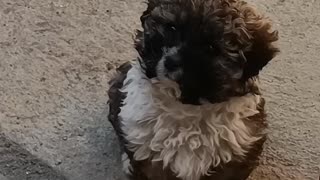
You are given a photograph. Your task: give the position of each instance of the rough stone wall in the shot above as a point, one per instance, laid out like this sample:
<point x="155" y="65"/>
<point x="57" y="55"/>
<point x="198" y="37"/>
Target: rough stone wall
<point x="56" y="57"/>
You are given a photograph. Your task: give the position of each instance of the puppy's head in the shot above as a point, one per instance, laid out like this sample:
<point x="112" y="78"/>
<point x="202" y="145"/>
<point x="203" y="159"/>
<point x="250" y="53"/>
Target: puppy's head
<point x="211" y="48"/>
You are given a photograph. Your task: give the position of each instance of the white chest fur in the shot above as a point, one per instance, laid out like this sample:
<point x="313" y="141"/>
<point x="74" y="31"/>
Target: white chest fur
<point x="188" y="139"/>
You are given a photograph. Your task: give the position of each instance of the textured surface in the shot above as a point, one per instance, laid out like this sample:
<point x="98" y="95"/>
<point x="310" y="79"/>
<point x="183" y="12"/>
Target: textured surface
<point x="56" y="57"/>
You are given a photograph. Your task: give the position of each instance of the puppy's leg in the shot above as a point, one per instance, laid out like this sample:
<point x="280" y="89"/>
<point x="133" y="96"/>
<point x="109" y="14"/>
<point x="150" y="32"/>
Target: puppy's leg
<point x="126" y="165"/>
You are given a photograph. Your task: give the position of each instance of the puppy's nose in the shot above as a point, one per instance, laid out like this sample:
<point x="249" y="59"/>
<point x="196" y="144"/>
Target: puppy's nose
<point x="172" y="63"/>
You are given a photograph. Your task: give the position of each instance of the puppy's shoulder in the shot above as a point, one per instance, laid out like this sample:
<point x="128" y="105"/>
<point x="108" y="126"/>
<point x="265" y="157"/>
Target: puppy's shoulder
<point x="116" y="96"/>
<point x="120" y="75"/>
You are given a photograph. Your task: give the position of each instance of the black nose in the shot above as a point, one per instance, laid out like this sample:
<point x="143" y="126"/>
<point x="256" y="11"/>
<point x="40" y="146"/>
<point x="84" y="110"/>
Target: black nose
<point x="172" y="63"/>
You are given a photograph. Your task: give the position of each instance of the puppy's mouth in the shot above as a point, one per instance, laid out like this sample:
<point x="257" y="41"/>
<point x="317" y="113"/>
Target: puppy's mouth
<point x="166" y="88"/>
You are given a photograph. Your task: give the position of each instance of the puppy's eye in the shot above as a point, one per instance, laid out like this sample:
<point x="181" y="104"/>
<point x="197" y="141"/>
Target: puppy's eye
<point x="171" y="35"/>
<point x="173" y="28"/>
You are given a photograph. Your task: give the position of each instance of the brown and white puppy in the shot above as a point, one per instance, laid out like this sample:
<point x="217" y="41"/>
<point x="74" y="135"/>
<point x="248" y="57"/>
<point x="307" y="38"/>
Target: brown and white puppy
<point x="190" y="109"/>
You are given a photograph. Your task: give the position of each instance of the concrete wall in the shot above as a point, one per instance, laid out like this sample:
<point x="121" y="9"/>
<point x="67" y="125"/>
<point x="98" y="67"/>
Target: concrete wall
<point x="56" y="57"/>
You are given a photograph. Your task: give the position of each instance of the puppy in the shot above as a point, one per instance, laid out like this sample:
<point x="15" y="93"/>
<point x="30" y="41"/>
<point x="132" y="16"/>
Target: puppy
<point x="189" y="108"/>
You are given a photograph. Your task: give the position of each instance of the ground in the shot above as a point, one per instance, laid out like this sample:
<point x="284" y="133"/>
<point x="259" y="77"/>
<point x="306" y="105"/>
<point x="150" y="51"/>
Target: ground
<point x="56" y="57"/>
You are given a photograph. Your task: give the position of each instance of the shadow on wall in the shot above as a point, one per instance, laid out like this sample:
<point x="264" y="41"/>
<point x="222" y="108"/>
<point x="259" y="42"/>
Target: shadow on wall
<point x="106" y="148"/>
<point x="17" y="163"/>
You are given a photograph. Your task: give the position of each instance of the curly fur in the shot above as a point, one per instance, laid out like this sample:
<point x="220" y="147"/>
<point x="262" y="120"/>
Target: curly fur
<point x="232" y="39"/>
<point x="191" y="109"/>
<point x="189" y="139"/>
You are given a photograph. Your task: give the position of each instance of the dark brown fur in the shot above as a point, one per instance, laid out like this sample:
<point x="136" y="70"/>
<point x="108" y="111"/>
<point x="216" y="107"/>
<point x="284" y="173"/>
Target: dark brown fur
<point x="247" y="39"/>
<point x="115" y="102"/>
<point x="241" y="39"/>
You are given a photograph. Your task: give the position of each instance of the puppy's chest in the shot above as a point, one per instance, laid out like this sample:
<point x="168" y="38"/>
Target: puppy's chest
<point x="189" y="140"/>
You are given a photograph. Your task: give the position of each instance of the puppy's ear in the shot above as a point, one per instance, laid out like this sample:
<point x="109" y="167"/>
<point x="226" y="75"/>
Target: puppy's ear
<point x="139" y="38"/>
<point x="262" y="49"/>
<point x="151" y="4"/>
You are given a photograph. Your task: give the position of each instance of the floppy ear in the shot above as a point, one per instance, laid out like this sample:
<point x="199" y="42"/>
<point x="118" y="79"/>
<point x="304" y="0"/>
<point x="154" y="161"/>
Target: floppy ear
<point x="151" y="4"/>
<point x="145" y="22"/>
<point x="142" y="40"/>
<point x="139" y="36"/>
<point x="262" y="49"/>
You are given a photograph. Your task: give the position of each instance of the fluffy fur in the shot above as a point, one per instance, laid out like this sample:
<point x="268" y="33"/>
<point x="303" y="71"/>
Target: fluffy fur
<point x="222" y="44"/>
<point x="191" y="110"/>
<point x="189" y="139"/>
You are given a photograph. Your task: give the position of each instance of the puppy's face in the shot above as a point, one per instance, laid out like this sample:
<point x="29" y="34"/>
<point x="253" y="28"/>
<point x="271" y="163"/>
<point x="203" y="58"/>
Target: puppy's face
<point x="210" y="48"/>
